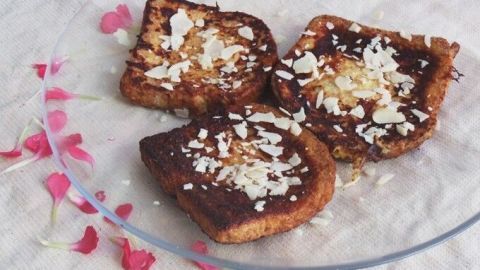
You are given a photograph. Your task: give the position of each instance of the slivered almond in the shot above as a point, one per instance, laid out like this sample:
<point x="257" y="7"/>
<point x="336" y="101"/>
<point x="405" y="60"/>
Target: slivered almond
<point x="387" y="115"/>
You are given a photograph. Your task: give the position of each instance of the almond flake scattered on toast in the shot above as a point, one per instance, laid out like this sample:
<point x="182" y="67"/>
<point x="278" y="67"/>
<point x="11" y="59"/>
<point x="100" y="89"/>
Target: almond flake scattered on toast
<point x="258" y="180"/>
<point x="383" y="88"/>
<point x="197" y="58"/>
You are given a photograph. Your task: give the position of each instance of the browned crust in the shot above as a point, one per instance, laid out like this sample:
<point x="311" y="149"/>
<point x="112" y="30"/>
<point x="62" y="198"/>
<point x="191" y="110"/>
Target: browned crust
<point x="353" y="148"/>
<point x="145" y="91"/>
<point x="171" y="171"/>
<point x="229" y="217"/>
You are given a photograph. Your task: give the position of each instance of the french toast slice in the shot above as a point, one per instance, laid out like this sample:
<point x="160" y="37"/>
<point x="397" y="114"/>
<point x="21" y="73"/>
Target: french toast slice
<point x="243" y="174"/>
<point x="369" y="94"/>
<point x="193" y="58"/>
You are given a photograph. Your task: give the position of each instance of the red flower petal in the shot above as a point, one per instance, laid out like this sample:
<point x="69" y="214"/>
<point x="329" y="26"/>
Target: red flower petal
<point x="44" y="149"/>
<point x="110" y="22"/>
<point x="57" y="184"/>
<point x="124" y="13"/>
<point x="57" y="64"/>
<point x="113" y="20"/>
<point x="126" y="254"/>
<point x="202" y="248"/>
<point x="32" y="143"/>
<point x="88" y="243"/>
<point x="57" y="120"/>
<point x="100" y="195"/>
<point x="136" y="259"/>
<point x="139" y="260"/>
<point x="84" y="205"/>
<point x="38" y="144"/>
<point x="123" y="211"/>
<point x="68" y="141"/>
<point x="17" y="150"/>
<point x="39" y="140"/>
<point x="42" y="68"/>
<point x="80" y="154"/>
<point x="120" y="241"/>
<point x="58" y="94"/>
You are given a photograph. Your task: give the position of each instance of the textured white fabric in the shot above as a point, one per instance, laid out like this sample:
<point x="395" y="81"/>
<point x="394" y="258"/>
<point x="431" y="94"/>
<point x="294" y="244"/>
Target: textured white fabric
<point x="29" y="30"/>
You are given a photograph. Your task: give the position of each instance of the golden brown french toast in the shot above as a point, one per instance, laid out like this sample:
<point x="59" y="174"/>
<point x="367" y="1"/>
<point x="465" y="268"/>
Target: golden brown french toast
<point x="369" y="94"/>
<point x="193" y="58"/>
<point x="245" y="173"/>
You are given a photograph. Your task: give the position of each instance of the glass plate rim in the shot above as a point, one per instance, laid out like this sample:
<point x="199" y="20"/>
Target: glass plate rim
<point x="186" y="253"/>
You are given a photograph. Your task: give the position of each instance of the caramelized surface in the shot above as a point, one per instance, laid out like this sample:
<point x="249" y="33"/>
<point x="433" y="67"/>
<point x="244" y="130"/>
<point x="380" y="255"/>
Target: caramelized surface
<point x="225" y="213"/>
<point x="199" y="90"/>
<point x="431" y="82"/>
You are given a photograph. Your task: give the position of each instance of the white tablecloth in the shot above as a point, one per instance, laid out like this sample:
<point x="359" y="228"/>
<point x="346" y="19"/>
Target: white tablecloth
<point x="28" y="30"/>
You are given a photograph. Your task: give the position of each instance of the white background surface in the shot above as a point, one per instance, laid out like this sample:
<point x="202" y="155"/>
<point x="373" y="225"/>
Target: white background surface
<point x="28" y="31"/>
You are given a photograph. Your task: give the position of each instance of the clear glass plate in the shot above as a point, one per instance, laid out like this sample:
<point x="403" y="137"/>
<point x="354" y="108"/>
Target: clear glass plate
<point x="435" y="193"/>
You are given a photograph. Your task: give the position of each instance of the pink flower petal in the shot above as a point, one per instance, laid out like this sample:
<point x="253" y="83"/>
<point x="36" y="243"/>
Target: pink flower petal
<point x="202" y="248"/>
<point x="37" y="143"/>
<point x="124" y="13"/>
<point x="84" y="205"/>
<point x="136" y="259"/>
<point x="113" y="20"/>
<point x="68" y="141"/>
<point x="57" y="64"/>
<point x="42" y="68"/>
<point x="123" y="211"/>
<point x="100" y="195"/>
<point x="17" y="150"/>
<point x="110" y="22"/>
<point x="80" y="154"/>
<point x="119" y="241"/>
<point x="88" y="243"/>
<point x="44" y="148"/>
<point x="32" y="143"/>
<point x="139" y="260"/>
<point x="39" y="140"/>
<point x="57" y="185"/>
<point x="56" y="93"/>
<point x="57" y="120"/>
